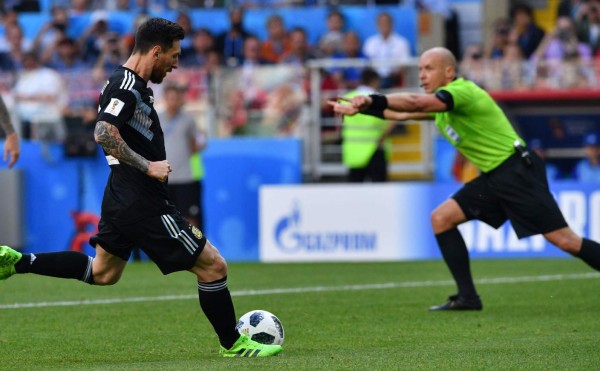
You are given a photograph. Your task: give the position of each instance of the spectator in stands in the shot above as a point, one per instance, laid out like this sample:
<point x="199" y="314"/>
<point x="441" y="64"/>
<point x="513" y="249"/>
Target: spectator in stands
<point x="12" y="58"/>
<point x="562" y="43"/>
<point x="202" y="43"/>
<point x="525" y="32"/>
<point x="537" y="146"/>
<point x="300" y="51"/>
<point x="231" y="42"/>
<point x="40" y="98"/>
<point x="52" y="31"/>
<point x="183" y="19"/>
<point x="79" y="7"/>
<point x="66" y="57"/>
<point x="571" y="8"/>
<point x="588" y="169"/>
<point x="567" y="59"/>
<point x="92" y="39"/>
<point x="213" y="62"/>
<point x="110" y="57"/>
<point x="6" y="20"/>
<point x="387" y="49"/>
<point x="277" y="43"/>
<point x="588" y="28"/>
<point x="333" y="40"/>
<point x="498" y="39"/>
<point x="511" y="71"/>
<point x="254" y="94"/>
<point x="472" y="66"/>
<point x="251" y="56"/>
<point x="349" y="77"/>
<point x="10" y="17"/>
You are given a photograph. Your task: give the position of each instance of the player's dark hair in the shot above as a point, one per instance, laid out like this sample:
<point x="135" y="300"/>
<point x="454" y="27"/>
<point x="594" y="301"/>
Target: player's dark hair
<point x="157" y="31"/>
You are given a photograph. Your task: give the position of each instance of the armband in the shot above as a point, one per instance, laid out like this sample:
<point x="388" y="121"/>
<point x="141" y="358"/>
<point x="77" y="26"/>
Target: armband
<point x="379" y="102"/>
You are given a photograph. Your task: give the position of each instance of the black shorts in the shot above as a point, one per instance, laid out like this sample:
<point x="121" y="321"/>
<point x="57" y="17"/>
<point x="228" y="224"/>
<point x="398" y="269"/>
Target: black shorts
<point x="516" y="192"/>
<point x="169" y="240"/>
<point x="186" y="198"/>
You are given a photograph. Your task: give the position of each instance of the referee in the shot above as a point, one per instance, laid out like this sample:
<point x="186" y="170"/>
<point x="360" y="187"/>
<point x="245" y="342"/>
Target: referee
<point x="513" y="184"/>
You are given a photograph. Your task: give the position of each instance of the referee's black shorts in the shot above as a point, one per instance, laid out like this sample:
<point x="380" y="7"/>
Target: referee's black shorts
<point x="516" y="192"/>
<point x="169" y="240"/>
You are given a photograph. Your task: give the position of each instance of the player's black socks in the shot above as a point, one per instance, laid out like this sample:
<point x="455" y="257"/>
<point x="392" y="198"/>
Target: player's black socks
<point x="63" y="264"/>
<point x="215" y="301"/>
<point x="456" y="256"/>
<point x="590" y="253"/>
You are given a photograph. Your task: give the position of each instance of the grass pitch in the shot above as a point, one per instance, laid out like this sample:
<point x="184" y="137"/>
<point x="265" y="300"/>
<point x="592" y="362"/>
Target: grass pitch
<point x="538" y="314"/>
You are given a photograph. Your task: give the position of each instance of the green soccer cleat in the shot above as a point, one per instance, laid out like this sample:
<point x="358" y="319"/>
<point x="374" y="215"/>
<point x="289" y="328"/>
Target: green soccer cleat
<point x="8" y="259"/>
<point x="245" y="347"/>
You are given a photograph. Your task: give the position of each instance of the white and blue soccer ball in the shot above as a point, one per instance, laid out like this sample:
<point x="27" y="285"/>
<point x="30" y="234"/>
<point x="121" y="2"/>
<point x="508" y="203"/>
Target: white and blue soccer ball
<point x="261" y="326"/>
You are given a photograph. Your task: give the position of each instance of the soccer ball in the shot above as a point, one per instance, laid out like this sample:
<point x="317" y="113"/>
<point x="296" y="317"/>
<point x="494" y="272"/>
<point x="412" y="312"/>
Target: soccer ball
<point x="261" y="326"/>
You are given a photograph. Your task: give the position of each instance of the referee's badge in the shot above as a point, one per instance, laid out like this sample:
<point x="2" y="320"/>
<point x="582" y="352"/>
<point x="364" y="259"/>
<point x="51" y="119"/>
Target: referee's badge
<point x="197" y="233"/>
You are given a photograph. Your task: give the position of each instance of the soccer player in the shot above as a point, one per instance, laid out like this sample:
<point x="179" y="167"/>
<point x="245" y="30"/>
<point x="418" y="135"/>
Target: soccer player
<point x="513" y="182"/>
<point x="135" y="209"/>
<point x="11" y="144"/>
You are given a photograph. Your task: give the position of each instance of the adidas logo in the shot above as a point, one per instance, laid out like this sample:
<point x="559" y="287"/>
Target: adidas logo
<point x="247" y="352"/>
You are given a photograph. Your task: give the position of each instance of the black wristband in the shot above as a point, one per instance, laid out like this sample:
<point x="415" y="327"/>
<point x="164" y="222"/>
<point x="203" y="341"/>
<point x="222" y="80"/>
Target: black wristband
<point x="379" y="102"/>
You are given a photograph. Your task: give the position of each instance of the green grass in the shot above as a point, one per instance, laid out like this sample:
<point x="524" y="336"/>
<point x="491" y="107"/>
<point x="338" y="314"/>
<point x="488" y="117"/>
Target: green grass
<point x="551" y="324"/>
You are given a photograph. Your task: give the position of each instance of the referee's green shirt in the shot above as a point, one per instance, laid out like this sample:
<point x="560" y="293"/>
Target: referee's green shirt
<point x="476" y="126"/>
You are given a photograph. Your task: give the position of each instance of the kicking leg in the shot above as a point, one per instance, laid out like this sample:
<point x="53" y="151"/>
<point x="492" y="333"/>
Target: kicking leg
<point x="216" y="303"/>
<point x="214" y="296"/>
<point x="569" y="241"/>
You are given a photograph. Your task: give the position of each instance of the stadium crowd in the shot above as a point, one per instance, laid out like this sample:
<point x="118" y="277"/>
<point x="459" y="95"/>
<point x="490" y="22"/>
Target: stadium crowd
<point x="52" y="80"/>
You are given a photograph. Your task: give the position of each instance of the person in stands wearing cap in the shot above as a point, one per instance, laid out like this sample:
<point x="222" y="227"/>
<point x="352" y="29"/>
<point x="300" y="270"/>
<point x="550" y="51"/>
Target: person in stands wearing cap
<point x="588" y="169"/>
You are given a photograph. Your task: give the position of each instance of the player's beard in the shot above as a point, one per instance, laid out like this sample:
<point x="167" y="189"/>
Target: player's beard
<point x="157" y="76"/>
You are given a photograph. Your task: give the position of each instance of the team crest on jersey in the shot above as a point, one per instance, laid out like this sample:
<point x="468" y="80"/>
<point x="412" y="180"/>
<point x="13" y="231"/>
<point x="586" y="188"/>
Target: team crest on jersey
<point x="196" y="232"/>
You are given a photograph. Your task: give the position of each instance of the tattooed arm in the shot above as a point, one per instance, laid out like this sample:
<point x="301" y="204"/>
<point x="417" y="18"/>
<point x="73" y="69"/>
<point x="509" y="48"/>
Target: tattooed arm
<point x="5" y="123"/>
<point x="108" y="136"/>
<point x="11" y="145"/>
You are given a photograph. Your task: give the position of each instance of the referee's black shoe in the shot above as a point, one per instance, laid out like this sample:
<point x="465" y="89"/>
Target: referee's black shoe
<point x="456" y="302"/>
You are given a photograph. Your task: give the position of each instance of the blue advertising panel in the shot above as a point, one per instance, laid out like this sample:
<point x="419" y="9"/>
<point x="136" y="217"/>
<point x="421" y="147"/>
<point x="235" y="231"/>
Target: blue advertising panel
<point x="235" y="170"/>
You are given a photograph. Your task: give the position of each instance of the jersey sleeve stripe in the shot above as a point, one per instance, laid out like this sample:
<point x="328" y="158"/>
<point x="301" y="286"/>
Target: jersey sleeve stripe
<point x="131" y="81"/>
<point x="125" y="79"/>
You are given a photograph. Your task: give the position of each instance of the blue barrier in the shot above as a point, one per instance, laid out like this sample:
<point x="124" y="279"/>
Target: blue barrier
<point x="235" y="170"/>
<point x="52" y="191"/>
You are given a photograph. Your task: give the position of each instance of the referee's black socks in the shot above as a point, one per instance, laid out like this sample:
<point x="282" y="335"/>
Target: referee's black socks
<point x="62" y="264"/>
<point x="590" y="253"/>
<point x="454" y="250"/>
<point x="216" y="303"/>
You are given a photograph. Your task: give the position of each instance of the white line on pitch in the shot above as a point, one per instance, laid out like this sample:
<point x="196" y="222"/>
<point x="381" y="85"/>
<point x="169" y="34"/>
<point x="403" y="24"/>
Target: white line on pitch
<point x="374" y="286"/>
